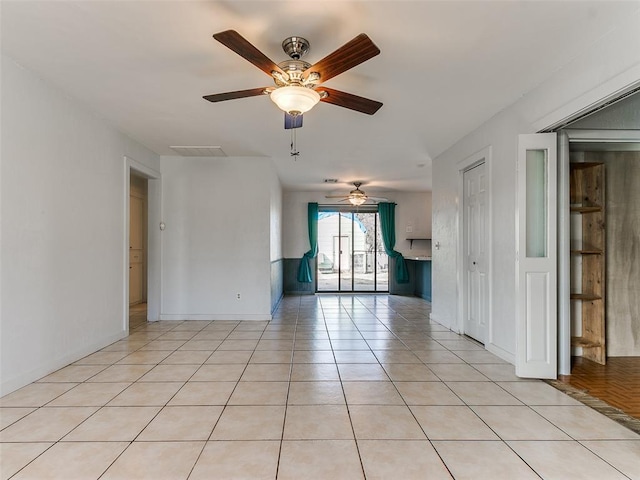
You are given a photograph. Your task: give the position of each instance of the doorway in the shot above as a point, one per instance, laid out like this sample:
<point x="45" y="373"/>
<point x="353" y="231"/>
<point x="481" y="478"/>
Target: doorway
<point x="604" y="361"/>
<point x="475" y="217"/>
<point x="351" y="255"/>
<point x="474" y="236"/>
<point x="610" y="139"/>
<point x="140" y="181"/>
<point x="138" y="218"/>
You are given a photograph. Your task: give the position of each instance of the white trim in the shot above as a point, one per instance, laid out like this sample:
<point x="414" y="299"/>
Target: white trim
<point x="602" y="136"/>
<point x="603" y="93"/>
<point x="154" y="249"/>
<point x="564" y="257"/>
<point x="501" y="353"/>
<point x="142" y="168"/>
<point x="482" y="156"/>
<point x="215" y="316"/>
<point x="433" y="318"/>
<point x="125" y="246"/>
<point x="154" y="255"/>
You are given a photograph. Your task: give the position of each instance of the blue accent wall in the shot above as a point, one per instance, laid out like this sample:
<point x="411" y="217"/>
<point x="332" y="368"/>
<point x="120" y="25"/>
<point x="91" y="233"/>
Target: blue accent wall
<point x="423" y="279"/>
<point x="396" y="288"/>
<point x="291" y="283"/>
<point x="419" y="279"/>
<point x="277" y="282"/>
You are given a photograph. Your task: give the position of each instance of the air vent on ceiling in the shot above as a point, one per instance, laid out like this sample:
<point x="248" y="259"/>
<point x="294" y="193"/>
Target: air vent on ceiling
<point x="198" y="151"/>
<point x="330" y="180"/>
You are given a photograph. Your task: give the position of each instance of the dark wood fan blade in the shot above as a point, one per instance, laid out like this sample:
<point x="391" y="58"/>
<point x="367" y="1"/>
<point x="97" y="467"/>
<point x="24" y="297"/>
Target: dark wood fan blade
<point x="378" y="199"/>
<point x="348" y="100"/>
<point x="221" y="97"/>
<point x="240" y="45"/>
<point x="352" y="53"/>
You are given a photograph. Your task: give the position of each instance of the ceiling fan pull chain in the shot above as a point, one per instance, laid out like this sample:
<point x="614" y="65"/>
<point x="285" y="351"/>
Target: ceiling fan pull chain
<point x="294" y="148"/>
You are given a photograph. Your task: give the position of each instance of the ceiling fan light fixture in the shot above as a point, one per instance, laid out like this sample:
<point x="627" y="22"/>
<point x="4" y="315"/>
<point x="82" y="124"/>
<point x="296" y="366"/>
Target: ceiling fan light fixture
<point x="357" y="200"/>
<point x="294" y="99"/>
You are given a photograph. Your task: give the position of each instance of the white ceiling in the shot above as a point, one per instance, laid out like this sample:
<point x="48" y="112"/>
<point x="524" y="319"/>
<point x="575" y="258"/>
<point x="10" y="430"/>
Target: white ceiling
<point x="445" y="68"/>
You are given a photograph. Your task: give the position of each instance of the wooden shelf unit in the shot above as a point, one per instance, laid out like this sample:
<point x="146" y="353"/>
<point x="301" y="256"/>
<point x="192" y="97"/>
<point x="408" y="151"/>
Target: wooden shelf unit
<point x="583" y="342"/>
<point x="586" y="208"/>
<point x="587" y="191"/>
<point x="585" y="296"/>
<point x="587" y="251"/>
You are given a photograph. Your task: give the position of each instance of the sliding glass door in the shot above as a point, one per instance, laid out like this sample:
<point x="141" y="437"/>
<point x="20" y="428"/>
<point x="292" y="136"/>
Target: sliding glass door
<point x="351" y="256"/>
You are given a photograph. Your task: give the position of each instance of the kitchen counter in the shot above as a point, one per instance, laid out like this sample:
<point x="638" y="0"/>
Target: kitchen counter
<point x="419" y="268"/>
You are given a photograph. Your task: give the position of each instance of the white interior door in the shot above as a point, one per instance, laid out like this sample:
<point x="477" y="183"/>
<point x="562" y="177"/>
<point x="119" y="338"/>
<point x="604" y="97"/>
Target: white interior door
<point x="536" y="281"/>
<point x="475" y="252"/>
<point x="342" y="253"/>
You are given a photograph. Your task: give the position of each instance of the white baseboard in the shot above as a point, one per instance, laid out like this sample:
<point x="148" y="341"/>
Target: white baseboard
<point x="434" y="318"/>
<point x="14" y="383"/>
<point x="215" y="316"/>
<point x="503" y="354"/>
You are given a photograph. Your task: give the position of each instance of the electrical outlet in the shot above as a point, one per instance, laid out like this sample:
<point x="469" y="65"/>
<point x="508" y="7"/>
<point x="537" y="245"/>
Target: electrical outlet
<point x="238" y="296"/>
<point x="409" y="229"/>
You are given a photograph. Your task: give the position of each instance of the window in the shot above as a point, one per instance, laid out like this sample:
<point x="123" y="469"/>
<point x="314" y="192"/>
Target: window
<point x="351" y="256"/>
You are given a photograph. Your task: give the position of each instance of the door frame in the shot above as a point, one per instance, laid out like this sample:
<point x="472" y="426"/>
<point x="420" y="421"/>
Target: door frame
<point x="466" y="221"/>
<point x="154" y="210"/>
<point x="340" y="210"/>
<point x="565" y="137"/>
<point x="482" y="156"/>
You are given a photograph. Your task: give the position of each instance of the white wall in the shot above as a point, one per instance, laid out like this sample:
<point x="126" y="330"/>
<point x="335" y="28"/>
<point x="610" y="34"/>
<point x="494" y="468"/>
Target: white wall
<point x="611" y="65"/>
<point x="501" y="134"/>
<point x="276" y="218"/>
<point x="413" y="208"/>
<point x="277" y="262"/>
<point x="295" y="236"/>
<point x="63" y="225"/>
<point x="217" y="243"/>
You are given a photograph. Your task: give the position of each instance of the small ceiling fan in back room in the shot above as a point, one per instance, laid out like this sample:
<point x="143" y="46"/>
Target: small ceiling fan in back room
<point x="297" y="83"/>
<point x="357" y="197"/>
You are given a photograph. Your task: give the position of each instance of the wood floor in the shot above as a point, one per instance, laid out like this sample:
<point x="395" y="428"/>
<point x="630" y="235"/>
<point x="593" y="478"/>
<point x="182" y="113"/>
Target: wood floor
<point x="137" y="315"/>
<point x="616" y="383"/>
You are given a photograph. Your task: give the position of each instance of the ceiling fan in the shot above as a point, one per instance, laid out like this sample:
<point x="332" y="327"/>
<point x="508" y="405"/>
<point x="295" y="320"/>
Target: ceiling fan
<point x="297" y="83"/>
<point x="357" y="197"/>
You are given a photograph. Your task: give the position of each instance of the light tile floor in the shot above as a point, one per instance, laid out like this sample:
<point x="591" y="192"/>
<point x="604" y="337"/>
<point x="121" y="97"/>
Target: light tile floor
<point x="338" y="387"/>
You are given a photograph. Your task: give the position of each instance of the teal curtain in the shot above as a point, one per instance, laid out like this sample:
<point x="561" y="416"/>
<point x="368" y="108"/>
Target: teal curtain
<point x="387" y="212"/>
<point x="304" y="271"/>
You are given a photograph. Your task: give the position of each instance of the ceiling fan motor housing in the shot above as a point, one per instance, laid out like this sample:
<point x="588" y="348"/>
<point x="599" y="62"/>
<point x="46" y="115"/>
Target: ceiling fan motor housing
<point x="294" y="70"/>
<point x="295" y="47"/>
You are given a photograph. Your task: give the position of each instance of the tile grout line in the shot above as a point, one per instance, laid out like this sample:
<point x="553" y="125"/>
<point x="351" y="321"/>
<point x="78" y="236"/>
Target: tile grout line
<point x="362" y="324"/>
<point x="286" y="403"/>
<point x="416" y="420"/>
<point x="344" y="396"/>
